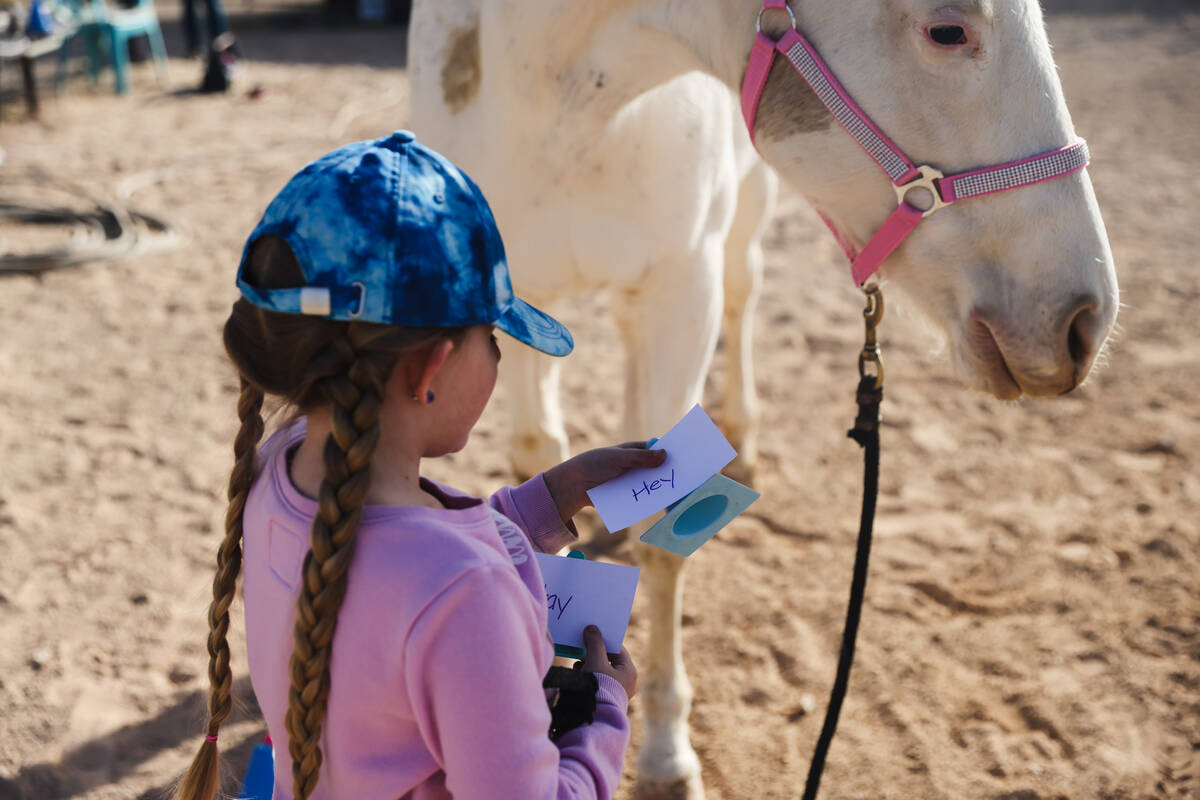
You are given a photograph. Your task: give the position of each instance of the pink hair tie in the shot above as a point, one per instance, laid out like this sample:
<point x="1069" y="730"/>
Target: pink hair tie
<point x="210" y="738"/>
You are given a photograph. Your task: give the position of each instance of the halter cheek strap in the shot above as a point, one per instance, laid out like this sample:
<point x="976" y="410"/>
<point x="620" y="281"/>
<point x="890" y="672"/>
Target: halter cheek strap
<point x="904" y="175"/>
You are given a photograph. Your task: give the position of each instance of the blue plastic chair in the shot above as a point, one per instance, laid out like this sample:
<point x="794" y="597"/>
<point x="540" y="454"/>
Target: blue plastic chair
<point x="259" y="782"/>
<point x="110" y="29"/>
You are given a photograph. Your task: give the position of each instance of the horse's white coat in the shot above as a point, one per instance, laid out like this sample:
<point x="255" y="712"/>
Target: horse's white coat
<point x="608" y="139"/>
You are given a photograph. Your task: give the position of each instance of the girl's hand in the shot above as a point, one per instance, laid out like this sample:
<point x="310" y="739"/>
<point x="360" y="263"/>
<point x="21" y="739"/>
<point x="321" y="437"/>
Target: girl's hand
<point x="569" y="481"/>
<point x="619" y="667"/>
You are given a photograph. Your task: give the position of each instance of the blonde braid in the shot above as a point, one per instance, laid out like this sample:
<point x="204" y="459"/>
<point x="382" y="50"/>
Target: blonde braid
<point x="202" y="779"/>
<point x="354" y="398"/>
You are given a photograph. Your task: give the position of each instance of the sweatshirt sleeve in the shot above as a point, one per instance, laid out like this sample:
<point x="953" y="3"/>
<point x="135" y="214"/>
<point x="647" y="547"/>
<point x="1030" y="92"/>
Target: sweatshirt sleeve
<point x="532" y="508"/>
<point x="471" y="669"/>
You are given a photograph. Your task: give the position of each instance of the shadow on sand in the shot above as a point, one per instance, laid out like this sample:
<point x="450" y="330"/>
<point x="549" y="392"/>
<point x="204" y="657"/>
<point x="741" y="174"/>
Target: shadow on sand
<point x="108" y="759"/>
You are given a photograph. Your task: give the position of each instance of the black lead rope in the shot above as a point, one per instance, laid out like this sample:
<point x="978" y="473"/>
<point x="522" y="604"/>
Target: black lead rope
<point x="866" y="433"/>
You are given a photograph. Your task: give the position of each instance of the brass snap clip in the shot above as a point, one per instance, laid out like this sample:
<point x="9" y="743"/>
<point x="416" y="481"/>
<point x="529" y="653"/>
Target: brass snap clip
<point x="872" y="315"/>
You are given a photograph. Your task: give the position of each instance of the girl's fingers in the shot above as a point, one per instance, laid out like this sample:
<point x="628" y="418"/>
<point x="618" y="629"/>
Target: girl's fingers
<point x="620" y="659"/>
<point x="593" y="641"/>
<point x="639" y="445"/>
<point x="636" y="453"/>
<point x="649" y="458"/>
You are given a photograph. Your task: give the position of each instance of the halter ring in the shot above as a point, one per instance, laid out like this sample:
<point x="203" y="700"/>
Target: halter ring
<point x="929" y="176"/>
<point x="786" y="7"/>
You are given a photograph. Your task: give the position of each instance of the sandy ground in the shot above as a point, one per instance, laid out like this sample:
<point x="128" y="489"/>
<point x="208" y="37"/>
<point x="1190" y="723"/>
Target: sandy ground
<point x="1032" y="628"/>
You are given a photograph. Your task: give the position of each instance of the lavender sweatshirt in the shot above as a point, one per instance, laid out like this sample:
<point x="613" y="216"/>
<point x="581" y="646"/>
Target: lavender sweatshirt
<point x="439" y="652"/>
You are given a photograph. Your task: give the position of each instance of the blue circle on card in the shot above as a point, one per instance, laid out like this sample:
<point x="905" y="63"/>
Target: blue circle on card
<point x="700" y="516"/>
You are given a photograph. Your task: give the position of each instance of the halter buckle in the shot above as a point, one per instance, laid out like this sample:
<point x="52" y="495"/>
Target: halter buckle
<point x="927" y="180"/>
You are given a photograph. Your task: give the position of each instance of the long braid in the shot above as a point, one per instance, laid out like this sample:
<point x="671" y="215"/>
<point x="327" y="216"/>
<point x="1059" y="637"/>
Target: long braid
<point x="202" y="778"/>
<point x="355" y="395"/>
<point x="311" y="364"/>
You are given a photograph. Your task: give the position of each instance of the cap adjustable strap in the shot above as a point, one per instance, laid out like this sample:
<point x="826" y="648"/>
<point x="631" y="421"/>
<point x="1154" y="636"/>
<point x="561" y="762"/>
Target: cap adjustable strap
<point x="315" y="301"/>
<point x="903" y="174"/>
<point x="336" y="302"/>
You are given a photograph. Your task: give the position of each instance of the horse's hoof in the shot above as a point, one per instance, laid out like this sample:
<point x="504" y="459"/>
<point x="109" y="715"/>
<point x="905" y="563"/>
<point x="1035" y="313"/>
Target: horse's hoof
<point x="681" y="789"/>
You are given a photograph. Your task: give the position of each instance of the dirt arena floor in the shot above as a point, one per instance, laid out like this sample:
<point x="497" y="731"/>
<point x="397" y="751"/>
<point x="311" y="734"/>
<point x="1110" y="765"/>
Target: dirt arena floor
<point x="1032" y="626"/>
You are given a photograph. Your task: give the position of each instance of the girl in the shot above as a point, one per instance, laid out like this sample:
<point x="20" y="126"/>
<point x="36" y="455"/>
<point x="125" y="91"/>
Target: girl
<point x="396" y="628"/>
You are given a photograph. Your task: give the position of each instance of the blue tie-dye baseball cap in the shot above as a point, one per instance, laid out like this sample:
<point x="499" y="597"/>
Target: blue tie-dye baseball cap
<point x="390" y="231"/>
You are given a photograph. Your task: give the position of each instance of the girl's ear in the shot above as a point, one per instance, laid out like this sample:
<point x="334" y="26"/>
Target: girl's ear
<point x="422" y="368"/>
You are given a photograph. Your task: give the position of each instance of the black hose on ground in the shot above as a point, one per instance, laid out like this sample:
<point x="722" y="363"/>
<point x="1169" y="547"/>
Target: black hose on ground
<point x="101" y="230"/>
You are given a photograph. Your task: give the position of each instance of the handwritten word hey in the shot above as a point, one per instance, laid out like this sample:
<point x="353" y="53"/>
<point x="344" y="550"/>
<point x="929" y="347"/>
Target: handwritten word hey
<point x="553" y="602"/>
<point x="651" y="486"/>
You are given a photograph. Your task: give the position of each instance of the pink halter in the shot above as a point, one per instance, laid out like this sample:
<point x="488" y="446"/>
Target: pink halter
<point x="902" y="172"/>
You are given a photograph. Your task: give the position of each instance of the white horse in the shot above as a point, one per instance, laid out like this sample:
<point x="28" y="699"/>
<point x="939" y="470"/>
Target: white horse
<point x="608" y="138"/>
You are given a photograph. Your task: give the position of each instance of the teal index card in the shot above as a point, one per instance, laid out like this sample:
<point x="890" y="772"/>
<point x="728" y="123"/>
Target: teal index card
<point x="695" y="518"/>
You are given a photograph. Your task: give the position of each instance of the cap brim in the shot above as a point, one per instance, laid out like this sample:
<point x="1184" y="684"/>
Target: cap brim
<point x="536" y="328"/>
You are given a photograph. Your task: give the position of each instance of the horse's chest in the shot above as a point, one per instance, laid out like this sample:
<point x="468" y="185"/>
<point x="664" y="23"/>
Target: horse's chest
<point x="614" y="195"/>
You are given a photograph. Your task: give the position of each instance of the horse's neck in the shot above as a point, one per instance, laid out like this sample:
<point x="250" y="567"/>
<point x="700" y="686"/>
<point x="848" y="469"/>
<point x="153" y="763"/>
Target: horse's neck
<point x="641" y="43"/>
<point x="712" y="35"/>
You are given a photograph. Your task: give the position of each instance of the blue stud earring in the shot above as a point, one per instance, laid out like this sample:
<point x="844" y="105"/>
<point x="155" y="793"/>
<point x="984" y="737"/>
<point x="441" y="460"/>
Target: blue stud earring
<point x="428" y="396"/>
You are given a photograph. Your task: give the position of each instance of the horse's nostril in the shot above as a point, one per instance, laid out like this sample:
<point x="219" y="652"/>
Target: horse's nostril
<point x="1082" y="336"/>
<point x="1075" y="345"/>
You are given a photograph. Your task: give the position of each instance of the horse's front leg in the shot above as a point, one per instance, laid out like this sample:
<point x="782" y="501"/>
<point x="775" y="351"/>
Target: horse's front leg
<point x="743" y="281"/>
<point x="539" y="438"/>
<point x="669" y="328"/>
<point x="668" y="767"/>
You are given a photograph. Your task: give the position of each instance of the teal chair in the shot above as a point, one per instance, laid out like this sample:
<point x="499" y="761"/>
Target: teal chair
<point x="107" y="31"/>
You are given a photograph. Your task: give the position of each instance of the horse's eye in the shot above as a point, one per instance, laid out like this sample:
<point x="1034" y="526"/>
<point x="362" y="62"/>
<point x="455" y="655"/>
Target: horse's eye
<point x="947" y="35"/>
